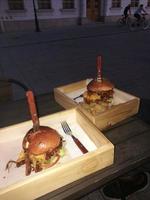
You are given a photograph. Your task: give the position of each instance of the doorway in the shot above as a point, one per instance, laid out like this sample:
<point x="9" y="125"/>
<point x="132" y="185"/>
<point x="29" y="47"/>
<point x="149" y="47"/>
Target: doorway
<point x="94" y="10"/>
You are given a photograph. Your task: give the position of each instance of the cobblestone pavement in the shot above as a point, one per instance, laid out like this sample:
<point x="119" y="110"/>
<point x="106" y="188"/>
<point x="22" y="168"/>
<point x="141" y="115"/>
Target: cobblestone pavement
<point x="59" y="56"/>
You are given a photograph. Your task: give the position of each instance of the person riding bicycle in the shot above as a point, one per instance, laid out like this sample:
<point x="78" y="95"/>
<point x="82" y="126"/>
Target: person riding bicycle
<point x="127" y="11"/>
<point x="140" y="10"/>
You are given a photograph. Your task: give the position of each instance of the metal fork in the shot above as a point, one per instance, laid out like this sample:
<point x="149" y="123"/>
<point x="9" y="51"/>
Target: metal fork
<point x="68" y="131"/>
<point x="81" y="95"/>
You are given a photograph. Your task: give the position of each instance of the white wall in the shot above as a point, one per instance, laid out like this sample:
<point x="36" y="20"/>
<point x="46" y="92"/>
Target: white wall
<point x="25" y="19"/>
<point x="56" y="13"/>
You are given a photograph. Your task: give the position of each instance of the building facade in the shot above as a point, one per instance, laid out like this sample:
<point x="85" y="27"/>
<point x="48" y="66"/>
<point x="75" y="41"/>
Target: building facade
<point x="22" y="14"/>
<point x="114" y="8"/>
<point x="16" y="15"/>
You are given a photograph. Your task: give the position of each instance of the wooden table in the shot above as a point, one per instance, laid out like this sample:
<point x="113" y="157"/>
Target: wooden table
<point x="132" y="149"/>
<point x="130" y="137"/>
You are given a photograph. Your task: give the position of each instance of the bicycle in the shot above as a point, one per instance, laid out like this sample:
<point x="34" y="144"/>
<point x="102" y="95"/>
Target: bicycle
<point x="143" y="24"/>
<point x="122" y="21"/>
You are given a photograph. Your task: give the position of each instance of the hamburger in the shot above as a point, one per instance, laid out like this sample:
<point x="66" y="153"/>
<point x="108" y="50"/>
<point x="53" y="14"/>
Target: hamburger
<point x="99" y="91"/>
<point x="41" y="146"/>
<point x="41" y="149"/>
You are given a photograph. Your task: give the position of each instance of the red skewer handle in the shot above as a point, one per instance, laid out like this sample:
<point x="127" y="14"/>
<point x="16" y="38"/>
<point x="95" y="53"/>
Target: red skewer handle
<point x="33" y="110"/>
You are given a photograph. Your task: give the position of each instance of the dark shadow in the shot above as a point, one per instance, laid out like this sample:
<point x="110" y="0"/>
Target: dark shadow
<point x="144" y="110"/>
<point x="133" y="181"/>
<point x="126" y="185"/>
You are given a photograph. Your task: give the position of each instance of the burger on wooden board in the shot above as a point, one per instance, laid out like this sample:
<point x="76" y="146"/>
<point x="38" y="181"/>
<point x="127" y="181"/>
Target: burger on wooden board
<point x="42" y="146"/>
<point x="99" y="90"/>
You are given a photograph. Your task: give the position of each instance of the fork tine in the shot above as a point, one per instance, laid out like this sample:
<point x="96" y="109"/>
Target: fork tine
<point x="68" y="131"/>
<point x="65" y="127"/>
<point x="62" y="124"/>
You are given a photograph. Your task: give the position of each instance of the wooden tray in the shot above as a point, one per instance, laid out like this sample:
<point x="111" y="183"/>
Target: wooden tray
<point x="73" y="166"/>
<point x="124" y="104"/>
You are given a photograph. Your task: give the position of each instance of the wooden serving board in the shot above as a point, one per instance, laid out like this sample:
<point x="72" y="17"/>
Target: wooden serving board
<point x="123" y="106"/>
<point x="73" y="166"/>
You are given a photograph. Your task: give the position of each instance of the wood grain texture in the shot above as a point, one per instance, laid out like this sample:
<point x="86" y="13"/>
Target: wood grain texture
<point x="126" y="105"/>
<point x="130" y="137"/>
<point x="63" y="173"/>
<point x="130" y="152"/>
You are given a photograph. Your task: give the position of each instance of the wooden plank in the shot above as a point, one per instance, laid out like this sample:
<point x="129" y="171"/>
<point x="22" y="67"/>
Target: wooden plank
<point x="95" y="195"/>
<point x="61" y="99"/>
<point x="117" y="114"/>
<point x="116" y="134"/>
<point x="130" y="129"/>
<point x="133" y="147"/>
<point x="76" y="167"/>
<point x="125" y="105"/>
<point x="128" y="155"/>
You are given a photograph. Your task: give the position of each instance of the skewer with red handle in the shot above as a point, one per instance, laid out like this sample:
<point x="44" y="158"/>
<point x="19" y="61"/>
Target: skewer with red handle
<point x="33" y="110"/>
<point x="99" y="68"/>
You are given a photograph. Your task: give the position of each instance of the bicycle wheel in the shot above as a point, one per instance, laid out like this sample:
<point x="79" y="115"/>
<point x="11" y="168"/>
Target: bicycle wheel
<point x="132" y="24"/>
<point x="146" y="24"/>
<point x="120" y="22"/>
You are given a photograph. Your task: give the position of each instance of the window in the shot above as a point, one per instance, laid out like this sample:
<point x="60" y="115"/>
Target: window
<point x="134" y="3"/>
<point x="68" y="4"/>
<point x="44" y="4"/>
<point x="16" y="4"/>
<point x="116" y="3"/>
<point x="96" y="4"/>
<point x="148" y="3"/>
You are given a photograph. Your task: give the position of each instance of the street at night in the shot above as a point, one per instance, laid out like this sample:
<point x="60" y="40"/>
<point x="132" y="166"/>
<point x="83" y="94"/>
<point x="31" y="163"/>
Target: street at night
<point x="51" y="58"/>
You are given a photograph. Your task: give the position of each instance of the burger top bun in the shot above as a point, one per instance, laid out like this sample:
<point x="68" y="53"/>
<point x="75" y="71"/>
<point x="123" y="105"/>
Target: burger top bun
<point x="44" y="140"/>
<point x="99" y="86"/>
